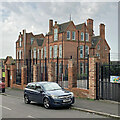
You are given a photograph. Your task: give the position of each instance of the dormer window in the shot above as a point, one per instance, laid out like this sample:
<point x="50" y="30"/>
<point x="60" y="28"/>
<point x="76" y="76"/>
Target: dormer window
<point x="20" y="43"/>
<point x="68" y="35"/>
<point x="55" y="34"/>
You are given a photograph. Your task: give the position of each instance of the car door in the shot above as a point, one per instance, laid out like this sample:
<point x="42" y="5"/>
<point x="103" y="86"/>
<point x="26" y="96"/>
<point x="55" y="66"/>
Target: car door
<point x="38" y="93"/>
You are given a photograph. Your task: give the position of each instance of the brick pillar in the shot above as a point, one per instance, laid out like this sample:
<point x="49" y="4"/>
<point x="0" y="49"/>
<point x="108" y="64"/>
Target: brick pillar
<point x="6" y="76"/>
<point x="92" y="77"/>
<point x="51" y="72"/>
<point x="72" y="74"/>
<point x="23" y="76"/>
<point x="13" y="75"/>
<point x="35" y="73"/>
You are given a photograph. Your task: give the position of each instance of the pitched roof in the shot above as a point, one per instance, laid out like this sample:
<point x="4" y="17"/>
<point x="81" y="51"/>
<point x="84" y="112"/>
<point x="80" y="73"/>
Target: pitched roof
<point x="95" y="40"/>
<point x="11" y="60"/>
<point x="79" y="26"/>
<point x="62" y="27"/>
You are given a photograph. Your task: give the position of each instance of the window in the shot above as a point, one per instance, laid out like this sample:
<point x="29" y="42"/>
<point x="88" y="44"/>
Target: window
<point x="55" y="68"/>
<point x="81" y="51"/>
<point x="106" y="47"/>
<point x="86" y="51"/>
<point x="55" y="51"/>
<point x="42" y="53"/>
<point x="81" y="68"/>
<point x="98" y="47"/>
<point x="98" y="55"/>
<point x="38" y="54"/>
<point x="68" y="35"/>
<point x="50" y="51"/>
<point x="32" y="40"/>
<point x="82" y="36"/>
<point x="41" y="67"/>
<point x="60" y="69"/>
<point x="55" y="34"/>
<point x="86" y="68"/>
<point x="60" y="51"/>
<point x="35" y="53"/>
<point x="86" y="36"/>
<point x="19" y="54"/>
<point x="73" y="35"/>
<point x="20" y="42"/>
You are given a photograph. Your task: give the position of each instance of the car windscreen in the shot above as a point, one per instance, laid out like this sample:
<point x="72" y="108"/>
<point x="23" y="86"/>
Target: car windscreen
<point x="51" y="86"/>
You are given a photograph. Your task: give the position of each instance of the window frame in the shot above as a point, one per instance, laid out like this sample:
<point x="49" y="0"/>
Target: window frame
<point x="55" y="49"/>
<point x="87" y="36"/>
<point x="60" y="51"/>
<point x="82" y="50"/>
<point x="67" y="35"/>
<point x="83" y="36"/>
<point x="73" y="34"/>
<point x="55" y="34"/>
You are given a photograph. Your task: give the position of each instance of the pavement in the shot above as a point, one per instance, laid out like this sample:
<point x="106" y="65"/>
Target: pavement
<point x="100" y="107"/>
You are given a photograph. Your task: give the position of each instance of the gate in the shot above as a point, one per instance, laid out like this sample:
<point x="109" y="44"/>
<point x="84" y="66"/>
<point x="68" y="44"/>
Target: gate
<point x="106" y="88"/>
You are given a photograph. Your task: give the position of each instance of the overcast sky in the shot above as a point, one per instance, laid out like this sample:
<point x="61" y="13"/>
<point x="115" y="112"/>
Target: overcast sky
<point x="34" y="17"/>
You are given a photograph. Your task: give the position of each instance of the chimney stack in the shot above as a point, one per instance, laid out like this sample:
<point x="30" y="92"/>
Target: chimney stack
<point x="90" y="25"/>
<point x="102" y="31"/>
<point x="50" y="25"/>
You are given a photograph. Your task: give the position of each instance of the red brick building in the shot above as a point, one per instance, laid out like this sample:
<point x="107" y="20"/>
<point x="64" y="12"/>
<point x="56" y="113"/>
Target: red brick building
<point x="62" y="42"/>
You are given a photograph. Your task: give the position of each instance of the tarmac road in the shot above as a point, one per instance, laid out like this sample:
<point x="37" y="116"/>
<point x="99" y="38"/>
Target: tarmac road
<point x="14" y="107"/>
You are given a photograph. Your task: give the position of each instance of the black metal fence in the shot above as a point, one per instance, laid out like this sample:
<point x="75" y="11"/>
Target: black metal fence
<point x="106" y="88"/>
<point x="83" y="74"/>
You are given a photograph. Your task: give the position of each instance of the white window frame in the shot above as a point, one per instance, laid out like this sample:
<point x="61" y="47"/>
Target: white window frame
<point x="19" y="54"/>
<point x="44" y="52"/>
<point x="83" y="36"/>
<point x="87" y="51"/>
<point x="20" y="43"/>
<point x="34" y="53"/>
<point x="81" y="49"/>
<point x="60" y="51"/>
<point x="87" y="35"/>
<point x="41" y="53"/>
<point x="50" y="51"/>
<point x="82" y="66"/>
<point x="38" y="56"/>
<point x="55" y="51"/>
<point x="55" y="34"/>
<point x="73" y="33"/>
<point x="67" y="35"/>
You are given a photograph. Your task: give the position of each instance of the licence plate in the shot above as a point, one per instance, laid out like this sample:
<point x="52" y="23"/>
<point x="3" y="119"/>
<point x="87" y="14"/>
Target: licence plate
<point x="68" y="100"/>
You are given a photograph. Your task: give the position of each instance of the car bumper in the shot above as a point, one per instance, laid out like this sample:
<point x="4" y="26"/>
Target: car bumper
<point x="61" y="102"/>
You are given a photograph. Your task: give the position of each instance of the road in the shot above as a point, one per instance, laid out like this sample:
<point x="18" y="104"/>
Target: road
<point x="14" y="107"/>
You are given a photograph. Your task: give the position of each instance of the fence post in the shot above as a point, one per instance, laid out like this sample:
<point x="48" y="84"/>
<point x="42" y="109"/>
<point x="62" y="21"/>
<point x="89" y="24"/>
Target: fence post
<point x="51" y="71"/>
<point x="23" y="76"/>
<point x="92" y="77"/>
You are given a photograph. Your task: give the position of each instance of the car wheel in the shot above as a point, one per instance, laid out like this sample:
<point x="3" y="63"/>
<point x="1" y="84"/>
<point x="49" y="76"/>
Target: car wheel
<point x="26" y="99"/>
<point x="46" y="103"/>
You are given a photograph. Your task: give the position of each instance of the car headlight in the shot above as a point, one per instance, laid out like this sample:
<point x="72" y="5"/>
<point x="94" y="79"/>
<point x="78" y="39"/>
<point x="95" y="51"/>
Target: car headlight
<point x="72" y="95"/>
<point x="54" y="97"/>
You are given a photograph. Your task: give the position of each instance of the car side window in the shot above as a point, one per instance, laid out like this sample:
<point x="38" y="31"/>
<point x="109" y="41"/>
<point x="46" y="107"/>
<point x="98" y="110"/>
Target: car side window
<point x="32" y="86"/>
<point x="38" y="88"/>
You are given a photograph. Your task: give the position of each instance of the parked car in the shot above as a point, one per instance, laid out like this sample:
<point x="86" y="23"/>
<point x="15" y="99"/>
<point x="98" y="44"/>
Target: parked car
<point x="2" y="87"/>
<point x="50" y="94"/>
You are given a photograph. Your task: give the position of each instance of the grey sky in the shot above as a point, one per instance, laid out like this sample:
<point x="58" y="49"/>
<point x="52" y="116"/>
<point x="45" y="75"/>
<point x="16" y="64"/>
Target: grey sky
<point x="34" y="17"/>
